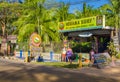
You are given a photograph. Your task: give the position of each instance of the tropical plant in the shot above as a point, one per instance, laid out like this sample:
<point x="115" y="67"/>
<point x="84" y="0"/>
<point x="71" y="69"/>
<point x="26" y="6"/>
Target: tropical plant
<point x="87" y="11"/>
<point x="112" y="12"/>
<point x="62" y="12"/>
<point x="118" y="55"/>
<point x="112" y="51"/>
<point x="36" y="18"/>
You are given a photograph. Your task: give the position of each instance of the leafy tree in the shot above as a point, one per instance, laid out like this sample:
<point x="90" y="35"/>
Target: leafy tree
<point x="8" y="14"/>
<point x="112" y="51"/>
<point x="3" y="16"/>
<point x="62" y="12"/>
<point x="36" y="18"/>
<point x="112" y="11"/>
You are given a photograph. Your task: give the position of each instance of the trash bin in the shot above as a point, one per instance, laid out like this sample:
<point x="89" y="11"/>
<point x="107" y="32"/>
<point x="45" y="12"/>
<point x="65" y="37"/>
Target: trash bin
<point x="51" y="55"/>
<point x="21" y="53"/>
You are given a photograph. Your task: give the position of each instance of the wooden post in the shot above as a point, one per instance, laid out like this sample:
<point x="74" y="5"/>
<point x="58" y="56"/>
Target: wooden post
<point x="96" y="43"/>
<point x="26" y="58"/>
<point x="80" y="60"/>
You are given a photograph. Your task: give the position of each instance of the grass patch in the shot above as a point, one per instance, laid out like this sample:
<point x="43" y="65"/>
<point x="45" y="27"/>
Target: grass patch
<point x="59" y="64"/>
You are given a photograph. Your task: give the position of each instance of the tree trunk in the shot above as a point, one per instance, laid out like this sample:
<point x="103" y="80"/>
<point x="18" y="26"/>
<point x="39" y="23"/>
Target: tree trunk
<point x="3" y="28"/>
<point x="43" y="47"/>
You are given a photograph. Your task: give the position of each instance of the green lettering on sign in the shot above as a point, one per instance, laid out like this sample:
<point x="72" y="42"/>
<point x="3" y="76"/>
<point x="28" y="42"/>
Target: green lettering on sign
<point x="80" y="23"/>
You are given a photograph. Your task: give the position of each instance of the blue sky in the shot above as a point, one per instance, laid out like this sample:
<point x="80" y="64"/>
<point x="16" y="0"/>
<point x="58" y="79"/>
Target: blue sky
<point x="77" y="4"/>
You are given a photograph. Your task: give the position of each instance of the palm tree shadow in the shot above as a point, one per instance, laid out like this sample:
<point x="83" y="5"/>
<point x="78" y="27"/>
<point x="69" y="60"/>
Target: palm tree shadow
<point x="38" y="73"/>
<point x="71" y="66"/>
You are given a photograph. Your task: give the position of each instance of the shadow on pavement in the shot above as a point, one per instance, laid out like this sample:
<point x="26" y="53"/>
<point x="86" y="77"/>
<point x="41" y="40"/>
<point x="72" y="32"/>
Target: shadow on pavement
<point x="37" y="73"/>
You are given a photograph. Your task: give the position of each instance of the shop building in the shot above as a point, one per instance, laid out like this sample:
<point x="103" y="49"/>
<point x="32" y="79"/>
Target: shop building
<point x="90" y="29"/>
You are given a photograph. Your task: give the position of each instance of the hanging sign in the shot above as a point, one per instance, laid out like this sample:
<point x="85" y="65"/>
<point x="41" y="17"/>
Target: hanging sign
<point x="12" y="38"/>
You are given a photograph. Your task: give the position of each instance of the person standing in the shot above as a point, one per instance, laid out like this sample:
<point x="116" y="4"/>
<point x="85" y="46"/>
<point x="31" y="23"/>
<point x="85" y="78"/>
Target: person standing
<point x="69" y="53"/>
<point x="92" y="52"/>
<point x="64" y="54"/>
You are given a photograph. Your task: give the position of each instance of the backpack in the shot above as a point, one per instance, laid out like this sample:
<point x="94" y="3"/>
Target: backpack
<point x="73" y="57"/>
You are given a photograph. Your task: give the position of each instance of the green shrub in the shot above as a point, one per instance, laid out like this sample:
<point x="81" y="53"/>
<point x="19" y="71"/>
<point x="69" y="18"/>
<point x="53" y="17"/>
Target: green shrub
<point x="112" y="49"/>
<point x="118" y="55"/>
<point x="81" y="47"/>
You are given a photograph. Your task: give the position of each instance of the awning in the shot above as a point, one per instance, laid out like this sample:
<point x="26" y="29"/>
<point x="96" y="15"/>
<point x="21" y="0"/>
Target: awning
<point x="93" y="32"/>
<point x="82" y="29"/>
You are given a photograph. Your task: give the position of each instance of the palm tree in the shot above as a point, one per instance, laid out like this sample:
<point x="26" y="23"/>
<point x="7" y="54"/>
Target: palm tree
<point x="87" y="12"/>
<point x="36" y="18"/>
<point x="62" y="12"/>
<point x="113" y="11"/>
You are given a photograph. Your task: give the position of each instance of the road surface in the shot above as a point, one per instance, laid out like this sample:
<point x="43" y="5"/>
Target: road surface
<point x="13" y="71"/>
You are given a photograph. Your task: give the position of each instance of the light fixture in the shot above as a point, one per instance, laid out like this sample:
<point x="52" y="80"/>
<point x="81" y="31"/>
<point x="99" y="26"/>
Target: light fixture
<point x="85" y="34"/>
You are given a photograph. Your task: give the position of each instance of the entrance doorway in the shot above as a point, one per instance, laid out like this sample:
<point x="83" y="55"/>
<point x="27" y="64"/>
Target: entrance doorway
<point x="102" y="43"/>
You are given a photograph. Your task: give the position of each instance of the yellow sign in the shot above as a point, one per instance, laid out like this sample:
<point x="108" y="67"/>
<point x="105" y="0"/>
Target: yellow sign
<point x="80" y="23"/>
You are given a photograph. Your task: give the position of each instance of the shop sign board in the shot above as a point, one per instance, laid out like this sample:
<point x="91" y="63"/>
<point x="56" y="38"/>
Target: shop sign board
<point x="81" y="23"/>
<point x="101" y="57"/>
<point x="35" y="41"/>
<point x="13" y="41"/>
<point x="11" y="37"/>
<point x="35" y="51"/>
